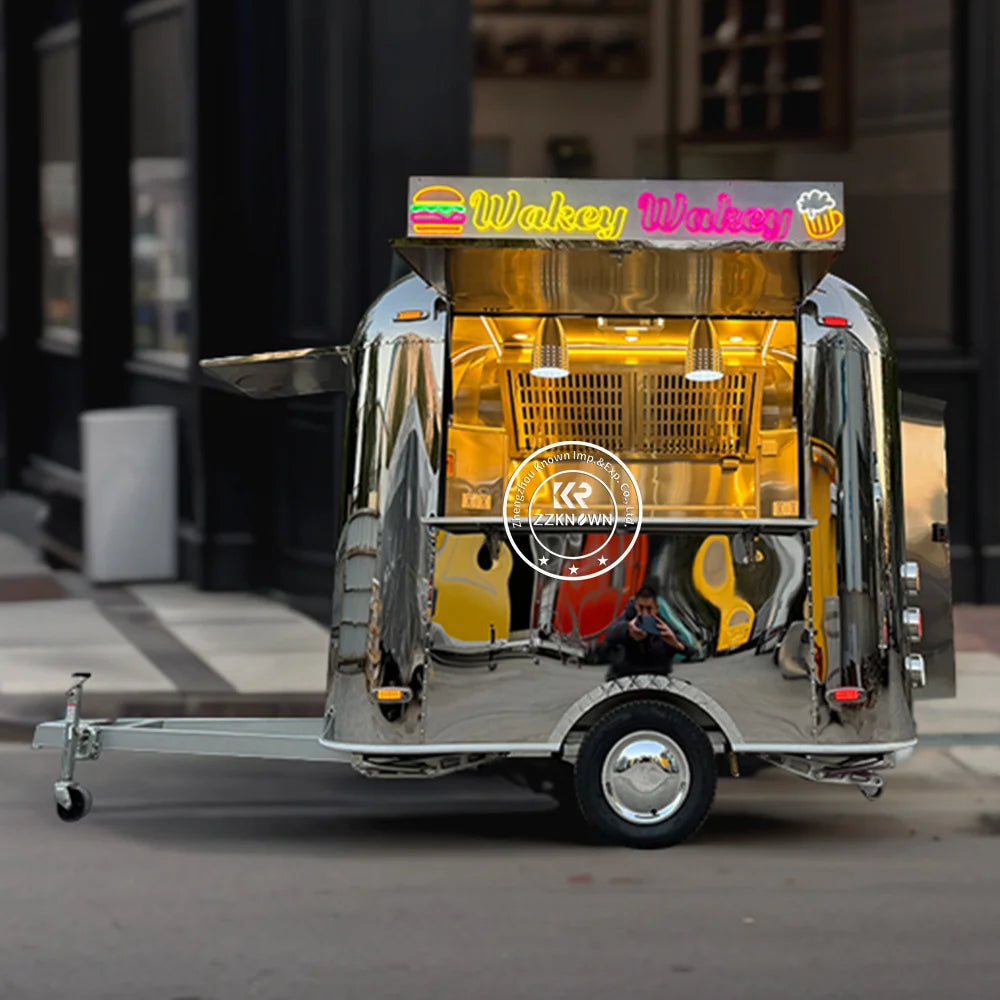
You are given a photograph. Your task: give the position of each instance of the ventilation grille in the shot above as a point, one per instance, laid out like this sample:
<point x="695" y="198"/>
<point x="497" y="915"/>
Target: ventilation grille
<point x="679" y="417"/>
<point x="583" y="406"/>
<point x="651" y="413"/>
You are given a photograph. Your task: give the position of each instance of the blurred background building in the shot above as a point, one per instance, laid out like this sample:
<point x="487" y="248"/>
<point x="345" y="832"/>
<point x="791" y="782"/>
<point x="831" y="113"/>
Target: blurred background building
<point x="191" y="178"/>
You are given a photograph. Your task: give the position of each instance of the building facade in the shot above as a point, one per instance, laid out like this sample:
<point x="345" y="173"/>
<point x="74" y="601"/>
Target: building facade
<point x="189" y="178"/>
<point x="194" y="178"/>
<point x="893" y="97"/>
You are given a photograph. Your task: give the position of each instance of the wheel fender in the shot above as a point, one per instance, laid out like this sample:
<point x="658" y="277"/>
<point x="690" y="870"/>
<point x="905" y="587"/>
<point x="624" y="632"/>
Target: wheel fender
<point x="620" y="689"/>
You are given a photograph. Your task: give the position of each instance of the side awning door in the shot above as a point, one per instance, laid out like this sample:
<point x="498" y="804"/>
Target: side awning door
<point x="279" y="374"/>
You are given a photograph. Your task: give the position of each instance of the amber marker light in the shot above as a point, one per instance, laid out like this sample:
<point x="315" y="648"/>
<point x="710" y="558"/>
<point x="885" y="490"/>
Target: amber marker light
<point x="392" y="694"/>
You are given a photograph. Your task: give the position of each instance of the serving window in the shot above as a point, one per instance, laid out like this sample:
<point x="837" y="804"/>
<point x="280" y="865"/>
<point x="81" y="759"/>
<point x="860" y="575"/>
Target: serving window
<point x="718" y="440"/>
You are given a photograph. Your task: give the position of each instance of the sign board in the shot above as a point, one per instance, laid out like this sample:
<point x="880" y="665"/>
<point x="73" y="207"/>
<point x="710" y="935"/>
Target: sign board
<point x="761" y="215"/>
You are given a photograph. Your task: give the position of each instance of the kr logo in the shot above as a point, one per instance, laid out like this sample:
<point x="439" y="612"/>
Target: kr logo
<point x="572" y="511"/>
<point x="567" y="495"/>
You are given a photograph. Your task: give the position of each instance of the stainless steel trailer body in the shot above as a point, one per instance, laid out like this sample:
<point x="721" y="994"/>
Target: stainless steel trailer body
<point x="786" y="504"/>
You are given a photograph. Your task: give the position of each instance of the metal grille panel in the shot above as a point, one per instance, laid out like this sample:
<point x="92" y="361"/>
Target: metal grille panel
<point x="584" y="406"/>
<point x="642" y="414"/>
<point x="679" y="417"/>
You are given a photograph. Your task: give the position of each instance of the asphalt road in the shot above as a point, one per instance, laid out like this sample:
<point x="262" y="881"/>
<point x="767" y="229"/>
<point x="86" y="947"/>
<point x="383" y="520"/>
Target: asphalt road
<point x="240" y="879"/>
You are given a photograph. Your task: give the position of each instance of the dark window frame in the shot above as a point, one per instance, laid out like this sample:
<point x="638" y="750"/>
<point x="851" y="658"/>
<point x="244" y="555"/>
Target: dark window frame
<point x="58" y="338"/>
<point x="759" y="99"/>
<point x="171" y="364"/>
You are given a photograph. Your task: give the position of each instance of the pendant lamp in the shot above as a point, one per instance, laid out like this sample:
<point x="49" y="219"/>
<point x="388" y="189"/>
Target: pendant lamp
<point x="550" y="355"/>
<point x="703" y="362"/>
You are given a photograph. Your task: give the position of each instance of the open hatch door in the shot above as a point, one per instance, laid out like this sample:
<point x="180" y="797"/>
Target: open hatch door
<point x="594" y="279"/>
<point x="925" y="498"/>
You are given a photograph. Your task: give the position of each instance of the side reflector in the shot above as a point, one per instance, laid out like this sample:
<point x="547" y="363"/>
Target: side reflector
<point x="913" y="622"/>
<point x="910" y="575"/>
<point x="399" y="695"/>
<point x="834" y="321"/>
<point x="917" y="670"/>
<point x="410" y="315"/>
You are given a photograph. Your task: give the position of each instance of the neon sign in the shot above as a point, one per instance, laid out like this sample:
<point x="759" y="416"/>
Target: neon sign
<point x="498" y="213"/>
<point x="819" y="214"/>
<point x="691" y="214"/>
<point x="437" y="210"/>
<point x="666" y="216"/>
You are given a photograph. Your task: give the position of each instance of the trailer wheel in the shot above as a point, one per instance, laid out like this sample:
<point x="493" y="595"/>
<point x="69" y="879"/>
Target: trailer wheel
<point x="80" y="802"/>
<point x="645" y="776"/>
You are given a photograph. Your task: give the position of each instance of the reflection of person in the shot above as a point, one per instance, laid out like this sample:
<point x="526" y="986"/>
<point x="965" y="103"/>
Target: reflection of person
<point x="639" y="641"/>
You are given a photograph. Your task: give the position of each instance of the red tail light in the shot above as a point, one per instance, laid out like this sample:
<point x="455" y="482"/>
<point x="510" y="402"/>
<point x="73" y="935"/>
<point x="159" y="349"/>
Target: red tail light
<point x="846" y="695"/>
<point x="834" y="321"/>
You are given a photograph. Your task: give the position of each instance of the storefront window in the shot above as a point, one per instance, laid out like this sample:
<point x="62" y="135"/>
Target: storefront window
<point x="161" y="284"/>
<point x="58" y="188"/>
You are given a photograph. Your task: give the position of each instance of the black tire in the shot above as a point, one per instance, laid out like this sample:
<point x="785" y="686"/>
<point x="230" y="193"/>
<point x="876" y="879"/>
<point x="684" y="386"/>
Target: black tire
<point x="80" y="802"/>
<point x="695" y="792"/>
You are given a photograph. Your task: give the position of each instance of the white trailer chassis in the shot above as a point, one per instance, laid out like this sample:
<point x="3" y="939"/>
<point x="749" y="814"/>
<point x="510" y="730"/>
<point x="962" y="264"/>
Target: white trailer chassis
<point x="282" y="738"/>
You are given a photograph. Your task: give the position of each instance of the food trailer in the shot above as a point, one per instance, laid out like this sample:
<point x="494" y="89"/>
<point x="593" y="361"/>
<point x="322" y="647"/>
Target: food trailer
<point x="631" y="491"/>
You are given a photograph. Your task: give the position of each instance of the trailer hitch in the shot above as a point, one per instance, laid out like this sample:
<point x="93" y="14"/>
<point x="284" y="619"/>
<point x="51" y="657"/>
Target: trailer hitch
<point x="861" y="773"/>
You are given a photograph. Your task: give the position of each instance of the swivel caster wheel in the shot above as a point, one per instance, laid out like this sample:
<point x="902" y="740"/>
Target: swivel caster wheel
<point x="80" y="801"/>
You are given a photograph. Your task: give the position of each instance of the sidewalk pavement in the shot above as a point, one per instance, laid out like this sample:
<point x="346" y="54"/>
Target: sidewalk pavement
<point x="168" y="649"/>
<point x="153" y="649"/>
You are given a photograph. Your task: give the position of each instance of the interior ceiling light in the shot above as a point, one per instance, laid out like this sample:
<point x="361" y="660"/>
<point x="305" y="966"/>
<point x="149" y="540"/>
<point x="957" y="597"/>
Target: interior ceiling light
<point x="626" y="325"/>
<point x="631" y="338"/>
<point x="520" y="336"/>
<point x="703" y="361"/>
<point x="550" y="356"/>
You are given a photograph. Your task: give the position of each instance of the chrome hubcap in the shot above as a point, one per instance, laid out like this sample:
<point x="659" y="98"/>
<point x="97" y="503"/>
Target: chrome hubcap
<point x="645" y="777"/>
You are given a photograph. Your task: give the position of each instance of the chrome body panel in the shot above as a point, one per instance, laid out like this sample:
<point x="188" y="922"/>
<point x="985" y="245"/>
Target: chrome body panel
<point x="626" y="687"/>
<point x="530" y="685"/>
<point x="525" y="669"/>
<point x="925" y="496"/>
<point x="394" y="457"/>
<point x="850" y="404"/>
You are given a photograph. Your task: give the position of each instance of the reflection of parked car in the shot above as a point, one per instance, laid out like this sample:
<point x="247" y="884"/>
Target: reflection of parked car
<point x="470" y="599"/>
<point x="588" y="607"/>
<point x="715" y="580"/>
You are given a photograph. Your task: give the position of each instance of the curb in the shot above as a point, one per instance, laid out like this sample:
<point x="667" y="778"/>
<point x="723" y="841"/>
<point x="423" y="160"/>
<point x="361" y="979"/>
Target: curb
<point x="21" y="713"/>
<point x="945" y="740"/>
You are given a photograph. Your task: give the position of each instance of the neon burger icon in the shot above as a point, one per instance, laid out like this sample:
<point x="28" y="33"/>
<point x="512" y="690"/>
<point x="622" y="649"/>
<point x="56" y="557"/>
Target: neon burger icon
<point x="437" y="210"/>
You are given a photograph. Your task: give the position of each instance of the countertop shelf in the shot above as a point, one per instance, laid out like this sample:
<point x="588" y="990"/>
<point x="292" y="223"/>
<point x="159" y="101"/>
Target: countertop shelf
<point x="724" y="525"/>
